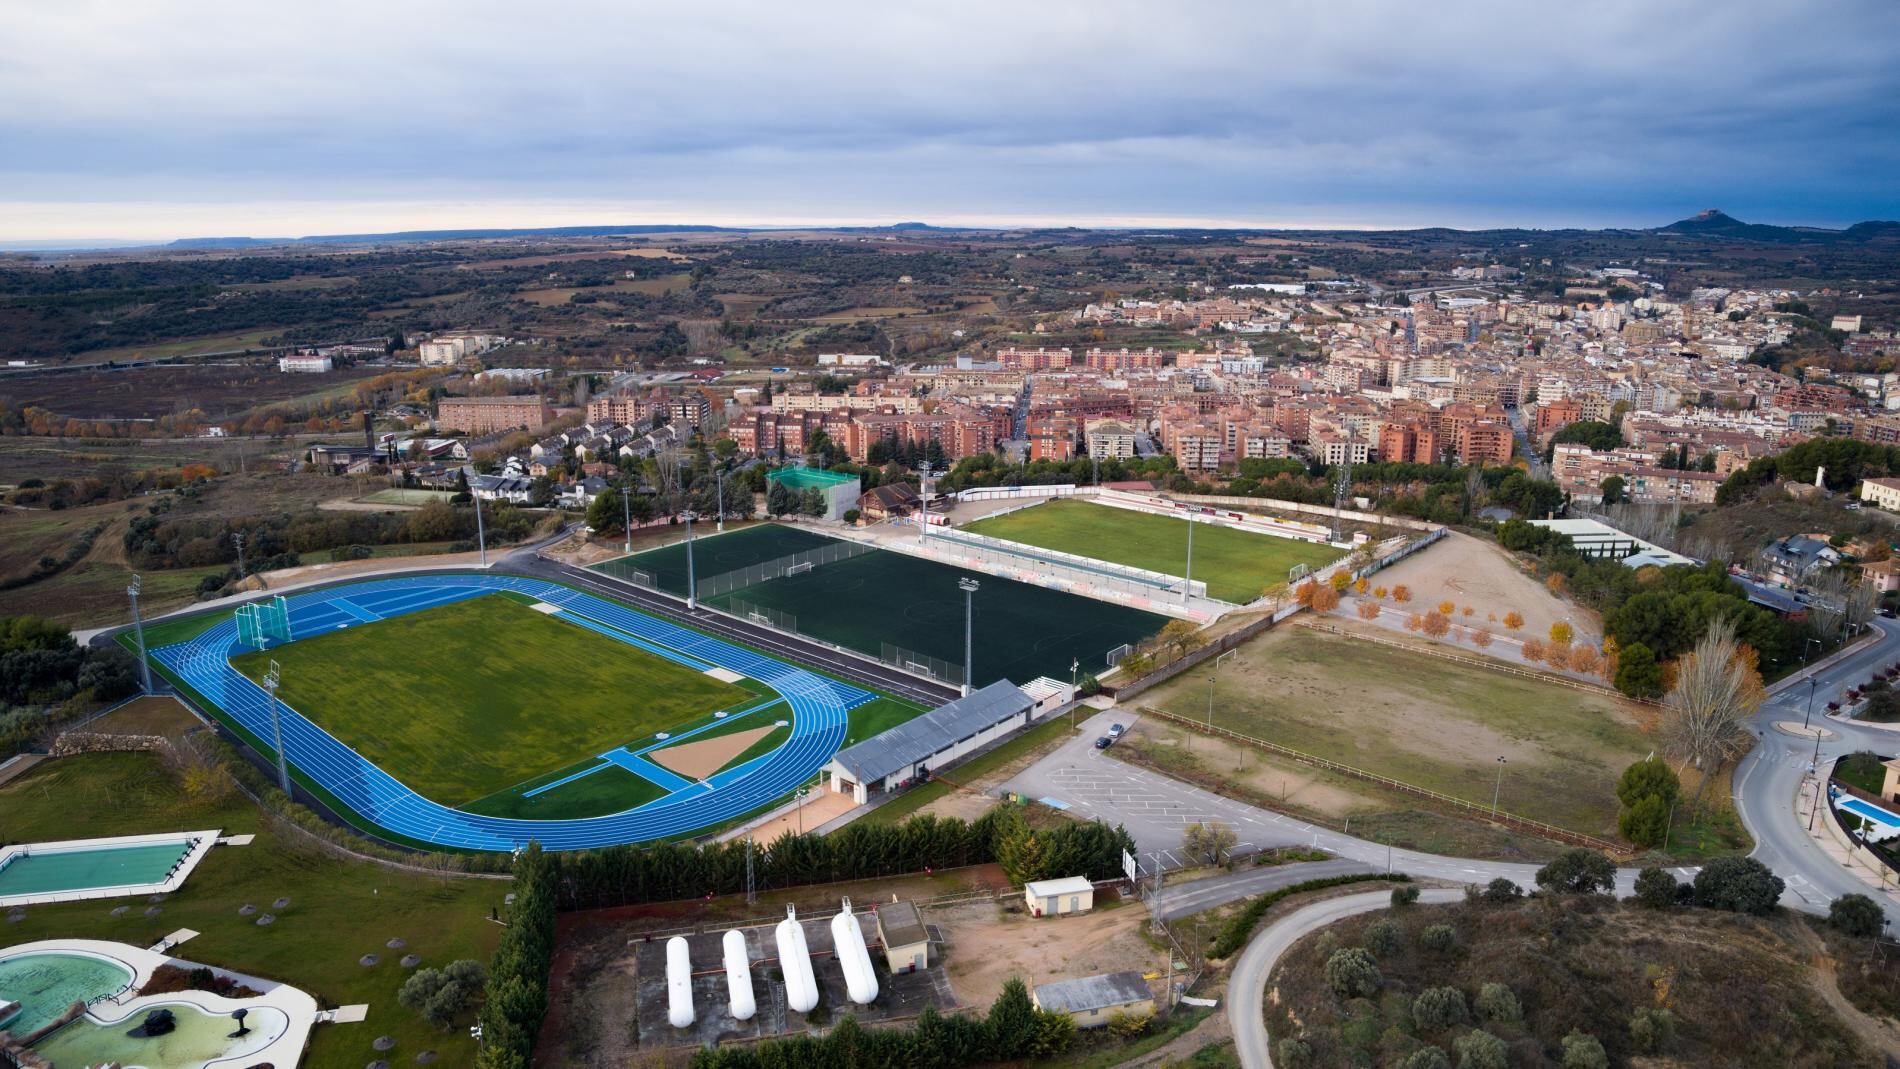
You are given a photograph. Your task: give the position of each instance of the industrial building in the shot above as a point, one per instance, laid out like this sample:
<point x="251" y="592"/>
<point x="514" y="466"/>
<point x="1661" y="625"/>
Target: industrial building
<point x="910" y="750"/>
<point x="1092" y="1000"/>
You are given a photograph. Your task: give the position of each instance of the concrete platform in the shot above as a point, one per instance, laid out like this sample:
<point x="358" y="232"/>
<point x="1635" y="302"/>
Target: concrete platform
<point x="1789" y="727"/>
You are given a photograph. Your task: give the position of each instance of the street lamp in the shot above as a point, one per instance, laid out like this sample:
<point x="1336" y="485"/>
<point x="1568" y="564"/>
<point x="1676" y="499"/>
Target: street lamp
<point x="968" y="586"/>
<point x="481" y="536"/>
<point x="138" y="631"/>
<point x="271" y="680"/>
<point x="719" y="478"/>
<point x="692" y="583"/>
<point x="1075" y="665"/>
<point x="799" y="797"/>
<point x="1497" y="789"/>
<point x="1806" y="647"/>
<point x="1187" y="581"/>
<point x="626" y="513"/>
<point x="1809" y="715"/>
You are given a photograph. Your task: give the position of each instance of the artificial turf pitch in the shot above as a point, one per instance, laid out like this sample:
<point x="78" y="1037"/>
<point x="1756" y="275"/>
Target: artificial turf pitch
<point x="1021" y="631"/>
<point x="1236" y="565"/>
<point x="473" y="698"/>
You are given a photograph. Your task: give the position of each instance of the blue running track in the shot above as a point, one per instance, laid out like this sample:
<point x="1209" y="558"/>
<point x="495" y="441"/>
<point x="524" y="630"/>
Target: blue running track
<point x="819" y="707"/>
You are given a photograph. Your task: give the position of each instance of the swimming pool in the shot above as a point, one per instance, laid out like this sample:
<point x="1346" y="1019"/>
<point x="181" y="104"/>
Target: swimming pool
<point x="47" y="984"/>
<point x="1869" y="811"/>
<point x="200" y="1037"/>
<point x="33" y="873"/>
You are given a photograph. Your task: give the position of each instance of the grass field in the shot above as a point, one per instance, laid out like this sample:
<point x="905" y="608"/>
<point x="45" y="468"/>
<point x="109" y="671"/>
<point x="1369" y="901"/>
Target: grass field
<point x="861" y="603"/>
<point x="1420" y="719"/>
<point x="340" y="910"/>
<point x="464" y="700"/>
<point x="1235" y="564"/>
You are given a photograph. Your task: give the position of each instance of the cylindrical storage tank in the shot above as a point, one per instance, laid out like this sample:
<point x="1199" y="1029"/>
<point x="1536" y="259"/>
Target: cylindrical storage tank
<point x="679" y="983"/>
<point x="794" y="960"/>
<point x="739" y="977"/>
<point x="847" y="940"/>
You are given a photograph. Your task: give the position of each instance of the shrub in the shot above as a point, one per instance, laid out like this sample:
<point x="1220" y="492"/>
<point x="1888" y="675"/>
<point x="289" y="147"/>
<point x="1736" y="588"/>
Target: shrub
<point x="1652" y="1029"/>
<point x="1352" y="973"/>
<point x="1382" y="938"/>
<point x="1502" y="891"/>
<point x="1497" y="1004"/>
<point x="1739" y="885"/>
<point x="1646" y="823"/>
<point x="1481" y="1050"/>
<point x="1125" y="1025"/>
<point x="1655" y="888"/>
<point x="1856" y="915"/>
<point x="1405" y="895"/>
<point x="1426" y="1058"/>
<point x="1578" y="872"/>
<point x="1439" y="938"/>
<point x="439" y="995"/>
<point x="1438" y="1008"/>
<point x="1012" y="1024"/>
<point x="1584" y="1051"/>
<point x="1235" y="933"/>
<point x="851" y="515"/>
<point x="1291" y="1053"/>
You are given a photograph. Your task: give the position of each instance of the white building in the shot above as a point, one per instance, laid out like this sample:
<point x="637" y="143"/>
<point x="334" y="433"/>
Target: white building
<point x="305" y="363"/>
<point x="849" y="360"/>
<point x="911" y="750"/>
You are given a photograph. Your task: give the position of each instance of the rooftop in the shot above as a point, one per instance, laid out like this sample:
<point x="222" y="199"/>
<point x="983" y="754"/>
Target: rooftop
<point x="915" y="739"/>
<point x="899" y="924"/>
<point x="1093" y="992"/>
<point x="1067" y="885"/>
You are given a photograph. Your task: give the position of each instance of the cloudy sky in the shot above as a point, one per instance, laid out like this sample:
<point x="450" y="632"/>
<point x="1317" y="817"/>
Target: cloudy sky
<point x="142" y="119"/>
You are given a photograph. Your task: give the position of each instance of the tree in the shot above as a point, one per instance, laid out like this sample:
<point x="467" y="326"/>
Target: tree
<point x="1578" y="872"/>
<point x="1426" y="1058"/>
<point x="1325" y="599"/>
<point x="1856" y="915"/>
<point x="1276" y="595"/>
<point x="1340" y="580"/>
<point x="1738" y="885"/>
<point x="1439" y="938"/>
<point x="1560" y="633"/>
<point x="1531" y="649"/>
<point x="1404" y="895"/>
<point x="1438" y="1008"/>
<point x="440" y="995"/>
<point x="1352" y="973"/>
<point x="1480" y="637"/>
<point x="812" y="502"/>
<point x="605" y="515"/>
<point x="1292" y="1053"/>
<point x="1637" y="672"/>
<point x="1447" y="607"/>
<point x="1717" y="690"/>
<point x="1599" y="436"/>
<point x="1210" y="840"/>
<point x="1011" y="1026"/>
<point x="1055" y="1034"/>
<point x="1182" y="636"/>
<point x="1368" y="609"/>
<point x="1513" y="620"/>
<point x="1436" y="624"/>
<point x="1381" y="937"/>
<point x="1401" y="593"/>
<point x="779" y="499"/>
<point x="1497" y="1003"/>
<point x="1501" y="892"/>
<point x="1481" y="1050"/>
<point x="1584" y="1051"/>
<point x="1612" y="489"/>
<point x="1647" y="777"/>
<point x="1655" y="888"/>
<point x="1652" y="1029"/>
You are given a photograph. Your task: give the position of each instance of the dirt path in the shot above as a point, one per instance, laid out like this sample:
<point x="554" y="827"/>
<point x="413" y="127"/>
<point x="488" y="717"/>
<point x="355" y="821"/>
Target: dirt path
<point x="1883" y="1036"/>
<point x="347" y="568"/>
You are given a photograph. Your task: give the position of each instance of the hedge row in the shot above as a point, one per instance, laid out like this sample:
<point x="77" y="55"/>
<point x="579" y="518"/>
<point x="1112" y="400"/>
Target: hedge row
<point x="1239" y="928"/>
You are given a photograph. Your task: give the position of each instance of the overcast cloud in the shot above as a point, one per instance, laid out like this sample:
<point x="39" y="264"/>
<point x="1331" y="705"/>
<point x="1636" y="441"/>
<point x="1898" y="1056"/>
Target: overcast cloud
<point x="159" y="120"/>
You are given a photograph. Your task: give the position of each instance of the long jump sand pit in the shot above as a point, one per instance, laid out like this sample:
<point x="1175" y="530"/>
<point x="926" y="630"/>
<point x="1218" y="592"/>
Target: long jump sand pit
<point x="823" y="805"/>
<point x="701" y="759"/>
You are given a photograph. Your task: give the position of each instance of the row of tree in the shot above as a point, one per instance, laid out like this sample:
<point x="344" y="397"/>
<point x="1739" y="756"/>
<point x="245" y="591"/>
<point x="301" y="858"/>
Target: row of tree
<point x="626" y="875"/>
<point x="515" y="998"/>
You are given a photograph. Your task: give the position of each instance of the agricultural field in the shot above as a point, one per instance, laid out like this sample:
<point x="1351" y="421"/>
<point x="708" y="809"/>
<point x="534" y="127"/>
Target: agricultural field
<point x="1416" y="718"/>
<point x="485" y="697"/>
<point x="222" y="391"/>
<point x="1236" y="565"/>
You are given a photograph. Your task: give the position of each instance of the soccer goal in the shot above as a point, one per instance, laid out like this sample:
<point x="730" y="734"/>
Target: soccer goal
<point x="1298" y="572"/>
<point x="800" y="568"/>
<point x="1115" y="655"/>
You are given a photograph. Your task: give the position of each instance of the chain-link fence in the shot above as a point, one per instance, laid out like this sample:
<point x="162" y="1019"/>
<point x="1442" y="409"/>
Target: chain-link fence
<point x="623" y="569"/>
<point x="779" y="567"/>
<point x="921" y="664"/>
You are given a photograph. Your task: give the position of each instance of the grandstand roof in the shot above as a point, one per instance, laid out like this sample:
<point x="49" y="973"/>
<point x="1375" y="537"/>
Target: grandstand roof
<point x="918" y="738"/>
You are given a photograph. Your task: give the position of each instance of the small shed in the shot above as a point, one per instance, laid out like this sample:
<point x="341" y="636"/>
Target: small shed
<point x="906" y="944"/>
<point x="1092" y="1000"/>
<point x="1047" y="898"/>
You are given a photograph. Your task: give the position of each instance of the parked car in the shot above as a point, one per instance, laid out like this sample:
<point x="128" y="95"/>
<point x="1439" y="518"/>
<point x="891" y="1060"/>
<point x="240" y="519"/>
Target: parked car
<point x="1104" y="742"/>
<point x="1116" y="731"/>
<point x="1852" y="506"/>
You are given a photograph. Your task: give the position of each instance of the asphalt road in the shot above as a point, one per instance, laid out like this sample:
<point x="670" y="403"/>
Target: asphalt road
<point x="1246" y="990"/>
<point x="1185" y="899"/>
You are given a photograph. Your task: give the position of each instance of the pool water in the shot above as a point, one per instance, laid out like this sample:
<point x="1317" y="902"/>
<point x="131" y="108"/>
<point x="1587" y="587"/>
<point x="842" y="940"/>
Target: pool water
<point x="79" y="870"/>
<point x="200" y="1037"/>
<point x="46" y="985"/>
<point x="1871" y="812"/>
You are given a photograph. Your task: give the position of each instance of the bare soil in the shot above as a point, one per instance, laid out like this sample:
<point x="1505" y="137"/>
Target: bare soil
<point x="988" y="943"/>
<point x="1469" y="571"/>
<point x="823" y="805"/>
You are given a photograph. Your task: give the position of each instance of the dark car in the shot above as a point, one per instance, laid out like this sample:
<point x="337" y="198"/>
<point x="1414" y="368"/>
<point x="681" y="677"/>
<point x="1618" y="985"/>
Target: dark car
<point x="1104" y="742"/>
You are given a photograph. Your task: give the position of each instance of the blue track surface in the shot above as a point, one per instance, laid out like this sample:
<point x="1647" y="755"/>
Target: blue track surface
<point x="819" y="708"/>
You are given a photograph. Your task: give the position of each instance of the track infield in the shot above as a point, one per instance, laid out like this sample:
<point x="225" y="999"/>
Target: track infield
<point x="1236" y="565"/>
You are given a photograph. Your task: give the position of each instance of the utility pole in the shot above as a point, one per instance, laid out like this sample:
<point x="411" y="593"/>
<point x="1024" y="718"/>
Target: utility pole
<point x="1809" y="715"/>
<point x="968" y="586"/>
<point x="923" y="524"/>
<point x="1210" y="699"/>
<point x="138" y="631"/>
<point x="692" y="582"/>
<point x="237" y="539"/>
<point x="1814" y="769"/>
<point x="481" y="536"/>
<point x="1075" y="665"/>
<point x="719" y="478"/>
<point x="751" y="892"/>
<point x="271" y="680"/>
<point x="626" y="512"/>
<point x="1497" y="789"/>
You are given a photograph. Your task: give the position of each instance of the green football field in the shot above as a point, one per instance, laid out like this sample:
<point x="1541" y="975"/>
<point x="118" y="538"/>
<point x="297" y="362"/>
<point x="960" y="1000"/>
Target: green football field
<point x="468" y="700"/>
<point x="1236" y="565"/>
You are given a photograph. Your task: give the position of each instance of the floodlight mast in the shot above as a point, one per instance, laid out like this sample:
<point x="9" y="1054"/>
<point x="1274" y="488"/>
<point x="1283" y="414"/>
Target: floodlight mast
<point x="969" y="588"/>
<point x="692" y="583"/>
<point x="271" y="680"/>
<point x="138" y="632"/>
